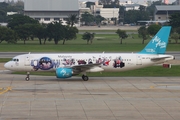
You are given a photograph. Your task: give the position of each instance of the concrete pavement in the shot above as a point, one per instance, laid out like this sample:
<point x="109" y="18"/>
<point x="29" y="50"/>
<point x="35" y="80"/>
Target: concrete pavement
<point x="100" y="98"/>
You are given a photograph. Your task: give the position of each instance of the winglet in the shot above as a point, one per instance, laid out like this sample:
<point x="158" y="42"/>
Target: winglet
<point x="158" y="43"/>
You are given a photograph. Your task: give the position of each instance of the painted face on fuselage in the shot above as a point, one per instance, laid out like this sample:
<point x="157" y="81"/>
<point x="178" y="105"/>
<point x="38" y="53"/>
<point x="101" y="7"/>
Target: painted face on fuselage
<point x="13" y="64"/>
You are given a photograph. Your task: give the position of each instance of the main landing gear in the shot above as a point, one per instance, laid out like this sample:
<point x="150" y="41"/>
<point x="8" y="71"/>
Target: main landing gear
<point x="85" y="77"/>
<point x="27" y="77"/>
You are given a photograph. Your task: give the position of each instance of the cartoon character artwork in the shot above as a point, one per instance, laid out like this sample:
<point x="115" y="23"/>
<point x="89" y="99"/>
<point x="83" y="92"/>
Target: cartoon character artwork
<point x="81" y="62"/>
<point x="104" y="61"/>
<point x="34" y="63"/>
<point x="118" y="63"/>
<point x="68" y="62"/>
<point x="99" y="60"/>
<point x="43" y="63"/>
<point x="90" y="61"/>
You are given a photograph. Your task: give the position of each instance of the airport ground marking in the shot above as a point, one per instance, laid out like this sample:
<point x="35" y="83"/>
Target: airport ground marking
<point x="4" y="90"/>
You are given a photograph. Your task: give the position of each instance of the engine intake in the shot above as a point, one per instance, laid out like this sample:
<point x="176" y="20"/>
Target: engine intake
<point x="64" y="72"/>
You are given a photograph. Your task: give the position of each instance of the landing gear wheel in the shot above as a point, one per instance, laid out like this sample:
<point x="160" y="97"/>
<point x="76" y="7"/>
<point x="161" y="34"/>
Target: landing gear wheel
<point x="27" y="78"/>
<point x="85" y="78"/>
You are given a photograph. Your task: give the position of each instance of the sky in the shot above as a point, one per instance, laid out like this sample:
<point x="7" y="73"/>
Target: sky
<point x="135" y="1"/>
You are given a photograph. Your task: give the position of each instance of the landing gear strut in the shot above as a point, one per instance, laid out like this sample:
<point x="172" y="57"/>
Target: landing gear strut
<point x="85" y="77"/>
<point x="27" y="78"/>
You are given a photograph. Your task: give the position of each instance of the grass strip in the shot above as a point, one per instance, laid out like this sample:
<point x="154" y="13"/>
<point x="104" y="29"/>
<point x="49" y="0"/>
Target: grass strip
<point x="3" y="60"/>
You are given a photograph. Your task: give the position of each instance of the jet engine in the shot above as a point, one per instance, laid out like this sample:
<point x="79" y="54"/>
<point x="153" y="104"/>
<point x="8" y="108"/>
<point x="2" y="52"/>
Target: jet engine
<point x="64" y="72"/>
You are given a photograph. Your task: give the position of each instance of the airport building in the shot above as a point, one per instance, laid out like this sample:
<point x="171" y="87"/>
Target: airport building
<point x="46" y="11"/>
<point x="107" y="13"/>
<point x="162" y="12"/>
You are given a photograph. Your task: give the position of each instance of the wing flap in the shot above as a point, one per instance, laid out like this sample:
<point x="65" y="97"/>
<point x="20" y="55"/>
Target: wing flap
<point x="87" y="68"/>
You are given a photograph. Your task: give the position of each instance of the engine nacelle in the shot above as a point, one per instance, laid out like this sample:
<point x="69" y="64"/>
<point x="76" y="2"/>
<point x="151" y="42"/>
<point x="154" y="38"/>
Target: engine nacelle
<point x="64" y="72"/>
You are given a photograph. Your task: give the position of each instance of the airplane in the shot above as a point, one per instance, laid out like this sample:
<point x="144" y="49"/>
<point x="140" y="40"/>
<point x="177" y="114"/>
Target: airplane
<point x="66" y="65"/>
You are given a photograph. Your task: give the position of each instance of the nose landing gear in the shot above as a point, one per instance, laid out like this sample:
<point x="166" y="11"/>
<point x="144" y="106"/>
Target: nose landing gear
<point x="27" y="78"/>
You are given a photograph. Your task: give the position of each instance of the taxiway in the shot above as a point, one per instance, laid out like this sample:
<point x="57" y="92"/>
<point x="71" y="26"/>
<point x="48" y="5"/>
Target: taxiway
<point x="100" y="98"/>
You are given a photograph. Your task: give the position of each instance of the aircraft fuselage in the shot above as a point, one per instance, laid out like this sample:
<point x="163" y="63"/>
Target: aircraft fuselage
<point x="109" y="61"/>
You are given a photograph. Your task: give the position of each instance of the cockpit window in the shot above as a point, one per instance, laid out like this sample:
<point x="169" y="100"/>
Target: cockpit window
<point x="16" y="60"/>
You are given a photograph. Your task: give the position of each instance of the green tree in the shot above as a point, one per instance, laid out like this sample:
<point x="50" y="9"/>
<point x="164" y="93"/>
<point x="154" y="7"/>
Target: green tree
<point x="132" y="16"/>
<point x="99" y="19"/>
<point x="55" y="31"/>
<point x="175" y="36"/>
<point x="178" y="30"/>
<point x="24" y="31"/>
<point x="72" y="20"/>
<point x="11" y="36"/>
<point x="3" y="17"/>
<point x="2" y="33"/>
<point x="142" y="31"/>
<point x="105" y="2"/>
<point x="3" y="11"/>
<point x="7" y="35"/>
<point x="142" y="8"/>
<point x="39" y="32"/>
<point x="153" y="29"/>
<point x="45" y="33"/>
<point x="122" y="35"/>
<point x="87" y="18"/>
<point x="88" y="4"/>
<point x="174" y="20"/>
<point x="69" y="33"/>
<point x="5" y="7"/>
<point x="121" y="13"/>
<point x="88" y="36"/>
<point x="19" y="19"/>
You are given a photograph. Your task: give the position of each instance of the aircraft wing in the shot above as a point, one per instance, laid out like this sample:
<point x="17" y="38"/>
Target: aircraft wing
<point x="87" y="67"/>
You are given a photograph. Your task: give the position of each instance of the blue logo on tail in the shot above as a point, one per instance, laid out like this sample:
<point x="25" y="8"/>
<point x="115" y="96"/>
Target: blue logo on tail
<point x="158" y="43"/>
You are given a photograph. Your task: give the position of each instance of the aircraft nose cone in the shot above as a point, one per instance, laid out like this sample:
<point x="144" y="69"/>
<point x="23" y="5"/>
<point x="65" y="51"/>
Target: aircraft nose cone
<point x="6" y="65"/>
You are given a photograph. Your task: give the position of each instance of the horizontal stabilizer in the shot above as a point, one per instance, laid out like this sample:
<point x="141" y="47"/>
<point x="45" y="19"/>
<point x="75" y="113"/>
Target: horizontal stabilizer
<point x="161" y="58"/>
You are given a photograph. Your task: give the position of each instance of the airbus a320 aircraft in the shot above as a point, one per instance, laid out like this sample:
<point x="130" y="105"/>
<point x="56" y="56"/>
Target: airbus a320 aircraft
<point x="71" y="64"/>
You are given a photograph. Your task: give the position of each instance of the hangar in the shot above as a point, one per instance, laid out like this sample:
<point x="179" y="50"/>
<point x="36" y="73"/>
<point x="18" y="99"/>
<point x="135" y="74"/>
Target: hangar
<point x="46" y="11"/>
<point x="162" y="12"/>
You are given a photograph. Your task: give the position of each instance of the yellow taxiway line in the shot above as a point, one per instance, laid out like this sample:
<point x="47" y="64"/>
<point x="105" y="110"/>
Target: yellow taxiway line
<point x="4" y="90"/>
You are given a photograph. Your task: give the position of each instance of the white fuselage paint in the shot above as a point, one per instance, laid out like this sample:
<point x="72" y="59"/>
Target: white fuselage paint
<point x="28" y="62"/>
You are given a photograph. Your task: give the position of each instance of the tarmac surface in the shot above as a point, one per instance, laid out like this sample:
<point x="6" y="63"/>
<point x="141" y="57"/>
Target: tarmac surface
<point x="100" y="98"/>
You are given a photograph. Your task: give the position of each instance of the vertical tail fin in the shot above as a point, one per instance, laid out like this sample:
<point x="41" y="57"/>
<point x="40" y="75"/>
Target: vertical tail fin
<point x="158" y="43"/>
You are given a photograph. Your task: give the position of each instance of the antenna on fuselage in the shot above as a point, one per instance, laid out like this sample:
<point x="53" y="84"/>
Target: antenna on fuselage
<point x="29" y="52"/>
